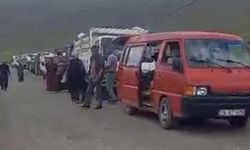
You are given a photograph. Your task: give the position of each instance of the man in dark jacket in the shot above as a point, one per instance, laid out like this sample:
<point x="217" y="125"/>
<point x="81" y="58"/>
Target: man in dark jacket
<point x="4" y="76"/>
<point x="76" y="75"/>
<point x="96" y="72"/>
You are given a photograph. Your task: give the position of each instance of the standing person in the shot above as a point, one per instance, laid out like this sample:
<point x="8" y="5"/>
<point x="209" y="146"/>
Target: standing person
<point x="4" y="76"/>
<point x="61" y="68"/>
<point x="20" y="72"/>
<point x="51" y="77"/>
<point x="95" y="79"/>
<point x="110" y="68"/>
<point x="76" y="75"/>
<point x="37" y="65"/>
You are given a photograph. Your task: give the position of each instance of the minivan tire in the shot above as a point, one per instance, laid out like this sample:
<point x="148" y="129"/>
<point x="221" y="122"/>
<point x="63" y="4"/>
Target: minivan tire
<point x="130" y="110"/>
<point x="238" y="122"/>
<point x="167" y="121"/>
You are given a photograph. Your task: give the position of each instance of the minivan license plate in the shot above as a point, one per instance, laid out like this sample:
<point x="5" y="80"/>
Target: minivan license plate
<point x="231" y="112"/>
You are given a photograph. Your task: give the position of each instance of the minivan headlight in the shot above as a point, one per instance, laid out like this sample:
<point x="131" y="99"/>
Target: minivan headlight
<point x="201" y="91"/>
<point x="196" y="91"/>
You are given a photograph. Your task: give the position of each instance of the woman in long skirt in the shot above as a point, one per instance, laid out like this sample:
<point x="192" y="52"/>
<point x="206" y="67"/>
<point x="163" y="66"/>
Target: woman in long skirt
<point x="51" y="76"/>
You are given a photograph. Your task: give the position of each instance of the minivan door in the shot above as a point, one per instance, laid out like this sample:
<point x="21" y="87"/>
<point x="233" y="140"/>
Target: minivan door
<point x="128" y="75"/>
<point x="169" y="77"/>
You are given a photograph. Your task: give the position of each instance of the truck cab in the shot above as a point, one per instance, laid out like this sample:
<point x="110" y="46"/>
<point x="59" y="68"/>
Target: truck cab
<point x="198" y="75"/>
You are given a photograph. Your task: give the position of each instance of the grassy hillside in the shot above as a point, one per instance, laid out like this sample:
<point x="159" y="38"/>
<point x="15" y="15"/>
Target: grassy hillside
<point x="34" y="25"/>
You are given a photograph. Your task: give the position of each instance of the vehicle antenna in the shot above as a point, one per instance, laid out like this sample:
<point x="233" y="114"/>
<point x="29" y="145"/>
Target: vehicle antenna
<point x="182" y="7"/>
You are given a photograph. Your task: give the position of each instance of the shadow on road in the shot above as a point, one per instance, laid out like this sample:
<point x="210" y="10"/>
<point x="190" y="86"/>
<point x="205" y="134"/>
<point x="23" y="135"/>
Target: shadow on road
<point x="220" y="127"/>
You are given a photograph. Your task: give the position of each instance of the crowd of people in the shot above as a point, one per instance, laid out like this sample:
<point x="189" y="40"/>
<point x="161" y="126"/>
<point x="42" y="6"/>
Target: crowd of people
<point x="83" y="86"/>
<point x="70" y="74"/>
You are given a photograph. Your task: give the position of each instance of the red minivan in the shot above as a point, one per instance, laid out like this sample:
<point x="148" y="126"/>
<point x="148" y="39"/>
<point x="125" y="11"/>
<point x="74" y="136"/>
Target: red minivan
<point x="198" y="75"/>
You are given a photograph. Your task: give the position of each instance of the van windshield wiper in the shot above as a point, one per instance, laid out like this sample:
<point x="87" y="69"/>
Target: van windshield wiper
<point x="210" y="62"/>
<point x="234" y="62"/>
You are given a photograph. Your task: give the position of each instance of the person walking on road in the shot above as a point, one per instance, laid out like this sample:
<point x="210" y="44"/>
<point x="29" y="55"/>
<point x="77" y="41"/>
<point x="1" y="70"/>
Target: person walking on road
<point x="110" y="68"/>
<point x="95" y="79"/>
<point x="20" y="72"/>
<point x="76" y="75"/>
<point x="4" y="76"/>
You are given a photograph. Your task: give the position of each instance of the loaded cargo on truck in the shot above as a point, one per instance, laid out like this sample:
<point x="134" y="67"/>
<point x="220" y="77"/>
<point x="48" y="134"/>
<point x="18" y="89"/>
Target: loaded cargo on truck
<point x="101" y="37"/>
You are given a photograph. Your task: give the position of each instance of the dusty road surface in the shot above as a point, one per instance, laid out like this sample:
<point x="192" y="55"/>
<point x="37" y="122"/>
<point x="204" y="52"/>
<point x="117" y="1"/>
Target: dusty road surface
<point x="32" y="119"/>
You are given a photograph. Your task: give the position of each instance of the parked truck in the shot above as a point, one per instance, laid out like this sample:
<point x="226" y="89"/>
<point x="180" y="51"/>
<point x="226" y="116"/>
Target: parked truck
<point x="101" y="37"/>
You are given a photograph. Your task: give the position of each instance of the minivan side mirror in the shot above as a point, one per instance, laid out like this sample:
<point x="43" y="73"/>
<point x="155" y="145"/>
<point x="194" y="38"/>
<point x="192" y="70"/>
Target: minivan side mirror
<point x="177" y="65"/>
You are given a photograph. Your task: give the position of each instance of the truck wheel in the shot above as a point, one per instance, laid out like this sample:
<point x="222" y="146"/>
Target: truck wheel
<point x="238" y="122"/>
<point x="130" y="109"/>
<point x="165" y="114"/>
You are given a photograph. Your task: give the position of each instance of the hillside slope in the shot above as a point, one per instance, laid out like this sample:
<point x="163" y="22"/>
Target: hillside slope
<point x="30" y="25"/>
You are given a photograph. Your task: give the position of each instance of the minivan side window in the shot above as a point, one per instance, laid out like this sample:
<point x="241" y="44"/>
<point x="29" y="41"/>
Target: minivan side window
<point x="171" y="51"/>
<point x="134" y="56"/>
<point x="172" y="56"/>
<point x="125" y="55"/>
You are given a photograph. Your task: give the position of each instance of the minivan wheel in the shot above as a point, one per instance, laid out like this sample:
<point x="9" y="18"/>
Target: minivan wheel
<point x="238" y="122"/>
<point x="130" y="109"/>
<point x="165" y="114"/>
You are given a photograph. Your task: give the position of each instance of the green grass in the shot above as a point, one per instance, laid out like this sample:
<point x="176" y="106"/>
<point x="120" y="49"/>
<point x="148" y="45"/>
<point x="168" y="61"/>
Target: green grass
<point x="29" y="43"/>
<point x="246" y="36"/>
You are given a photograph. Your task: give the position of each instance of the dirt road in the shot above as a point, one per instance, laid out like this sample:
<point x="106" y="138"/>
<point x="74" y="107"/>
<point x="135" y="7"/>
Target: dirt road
<point x="32" y="119"/>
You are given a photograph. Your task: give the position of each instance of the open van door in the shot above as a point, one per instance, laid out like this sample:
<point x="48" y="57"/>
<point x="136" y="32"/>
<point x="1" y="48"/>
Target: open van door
<point x="128" y="75"/>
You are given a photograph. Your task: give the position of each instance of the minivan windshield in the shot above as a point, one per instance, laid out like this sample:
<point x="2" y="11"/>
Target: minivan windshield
<point x="215" y="52"/>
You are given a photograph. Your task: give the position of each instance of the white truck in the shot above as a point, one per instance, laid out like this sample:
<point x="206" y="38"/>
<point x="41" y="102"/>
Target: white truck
<point x="101" y="37"/>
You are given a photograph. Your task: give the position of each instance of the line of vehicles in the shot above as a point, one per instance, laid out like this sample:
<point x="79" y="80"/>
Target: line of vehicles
<point x="34" y="62"/>
<point x="100" y="36"/>
<point x="177" y="75"/>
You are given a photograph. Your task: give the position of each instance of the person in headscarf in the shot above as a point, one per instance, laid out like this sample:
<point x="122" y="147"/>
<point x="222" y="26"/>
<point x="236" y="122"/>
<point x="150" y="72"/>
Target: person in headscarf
<point x="20" y="72"/>
<point x="61" y="68"/>
<point x="76" y="75"/>
<point x="96" y="72"/>
<point x="51" y="77"/>
<point x="4" y="76"/>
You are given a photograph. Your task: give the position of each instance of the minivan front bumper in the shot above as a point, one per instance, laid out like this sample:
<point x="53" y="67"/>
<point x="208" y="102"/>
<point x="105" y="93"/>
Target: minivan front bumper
<point x="210" y="106"/>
